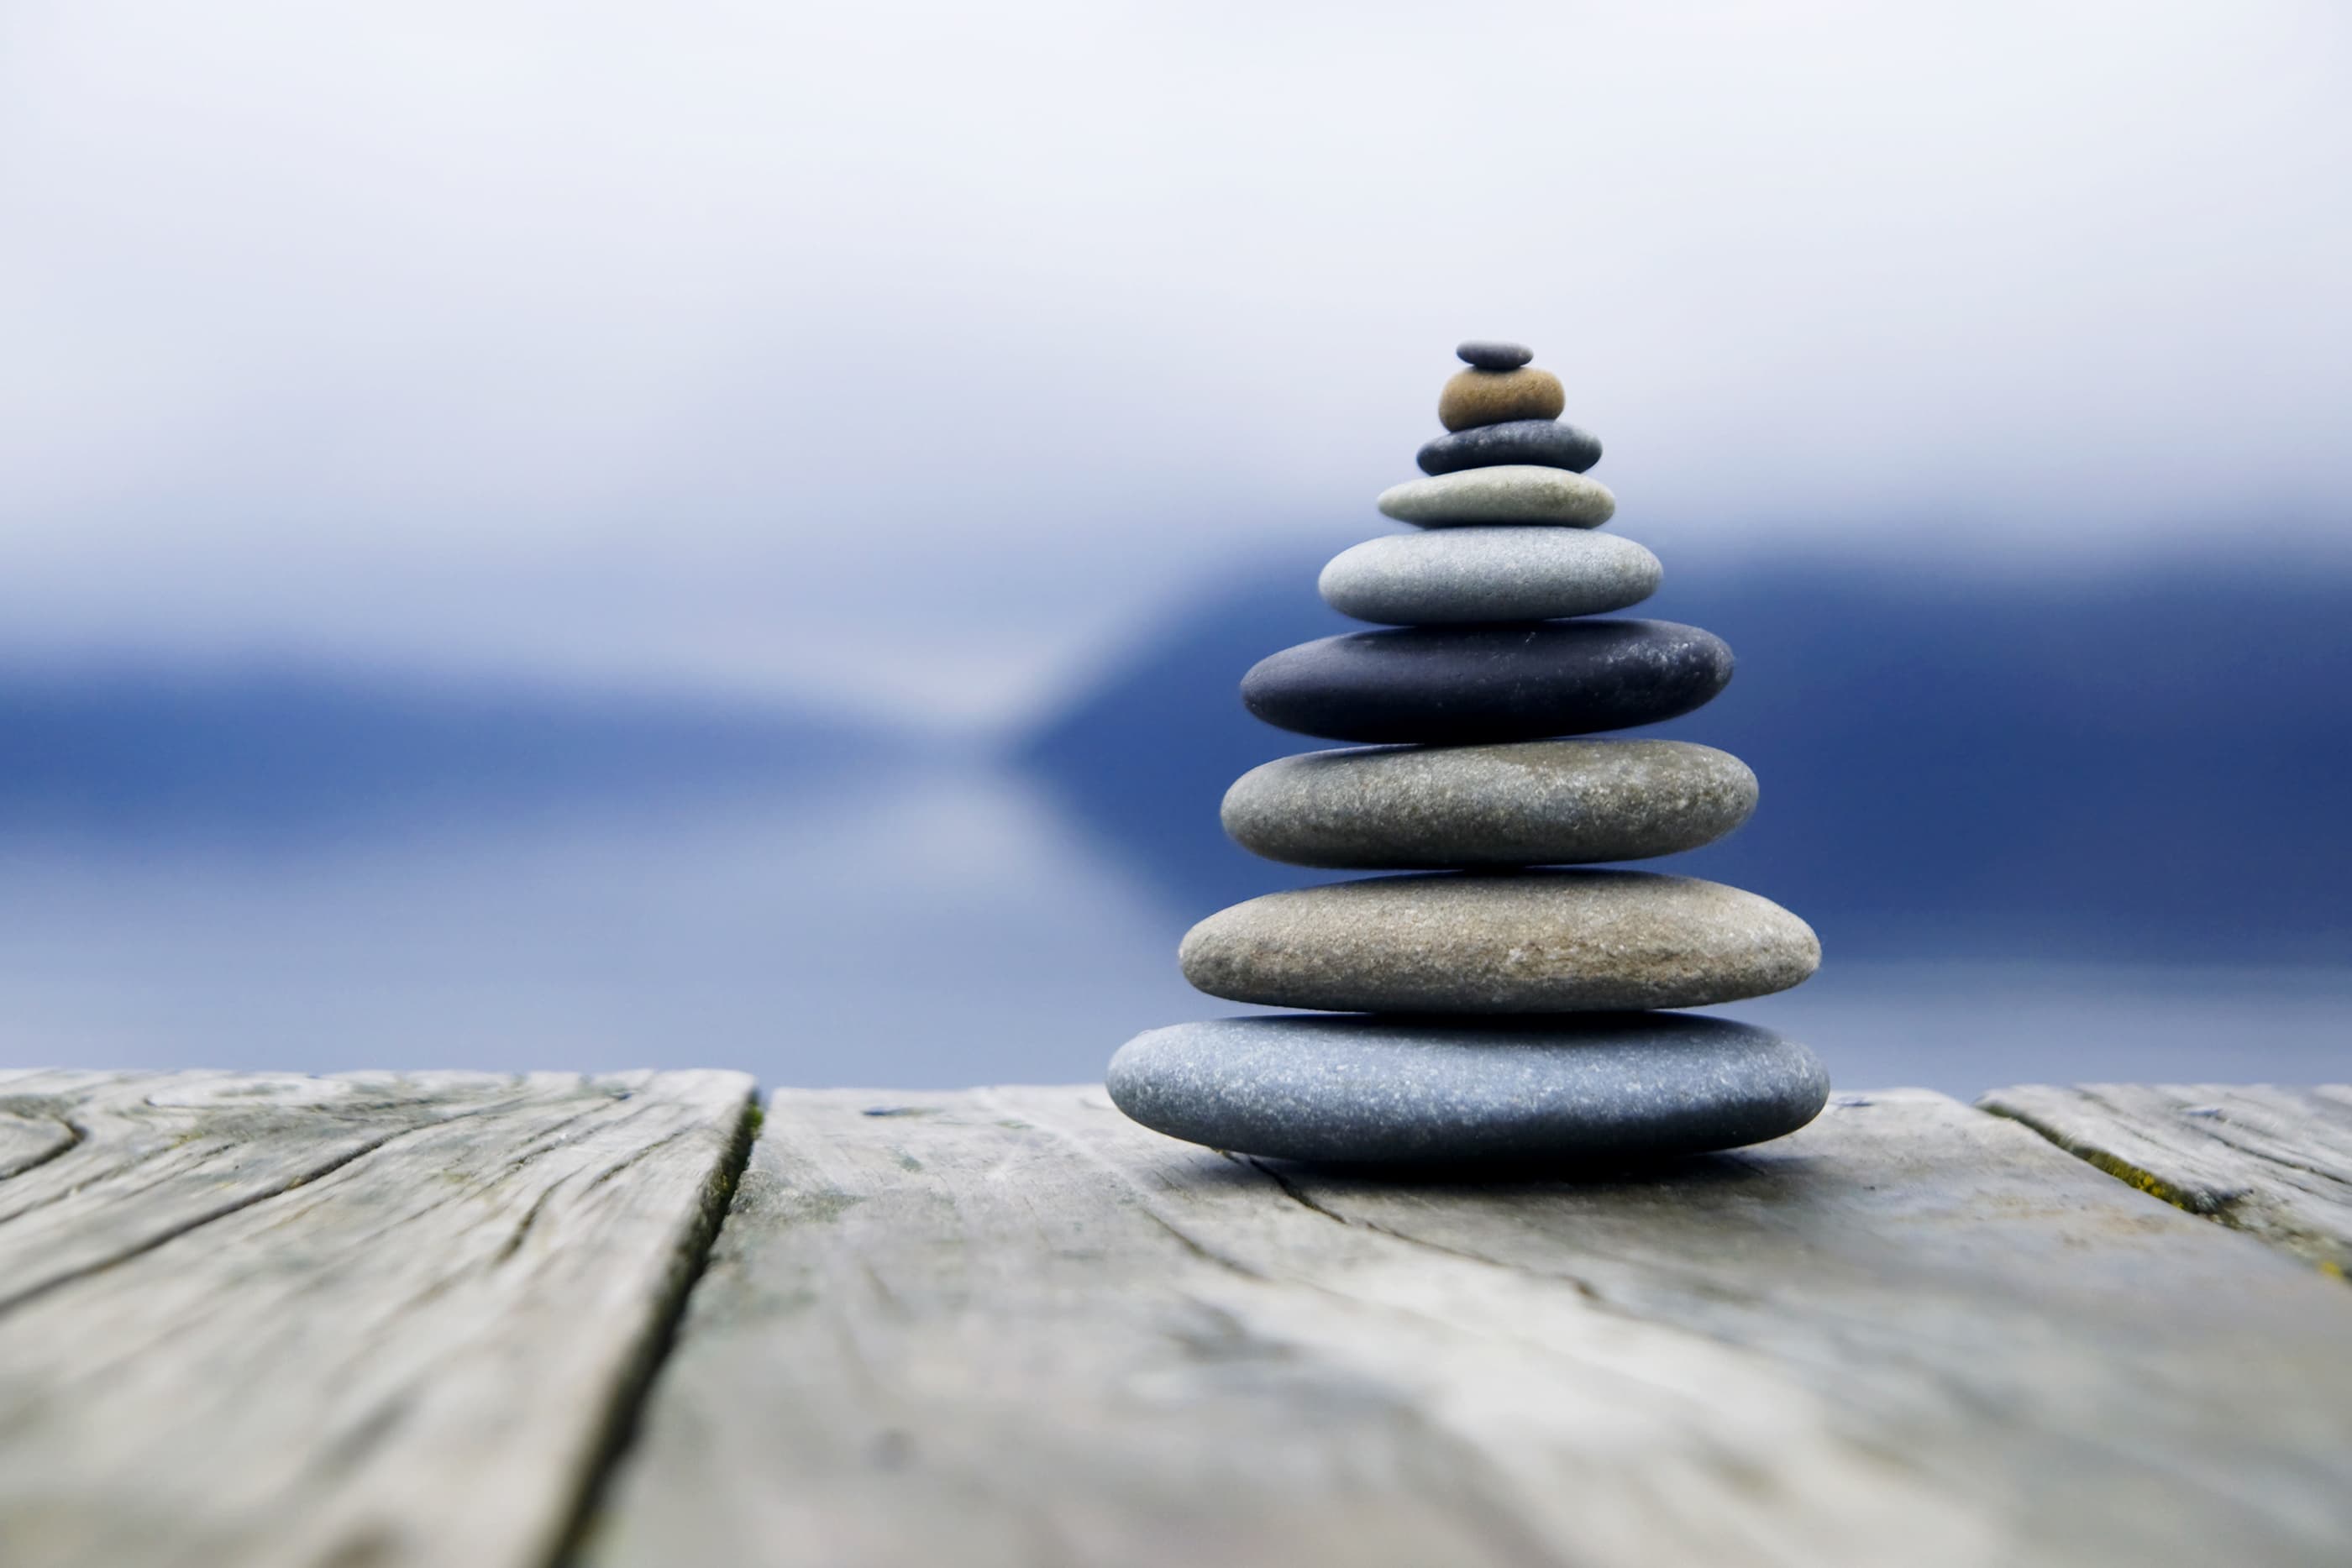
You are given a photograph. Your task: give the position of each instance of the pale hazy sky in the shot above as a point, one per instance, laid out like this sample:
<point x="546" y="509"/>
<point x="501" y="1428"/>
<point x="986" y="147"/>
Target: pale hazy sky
<point x="911" y="353"/>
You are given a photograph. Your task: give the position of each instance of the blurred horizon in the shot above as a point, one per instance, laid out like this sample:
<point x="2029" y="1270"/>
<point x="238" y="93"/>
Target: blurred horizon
<point x="907" y="355"/>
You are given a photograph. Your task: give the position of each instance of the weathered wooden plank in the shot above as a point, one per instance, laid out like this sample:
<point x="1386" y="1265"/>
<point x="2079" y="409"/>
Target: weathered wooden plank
<point x="152" y="1156"/>
<point x="373" y="1320"/>
<point x="2275" y="1161"/>
<point x="1012" y="1327"/>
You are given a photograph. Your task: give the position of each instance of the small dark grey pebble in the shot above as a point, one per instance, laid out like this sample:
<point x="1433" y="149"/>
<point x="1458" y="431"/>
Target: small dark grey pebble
<point x="1361" y="1088"/>
<point x="1547" y="443"/>
<point x="1451" y="686"/>
<point x="1492" y="354"/>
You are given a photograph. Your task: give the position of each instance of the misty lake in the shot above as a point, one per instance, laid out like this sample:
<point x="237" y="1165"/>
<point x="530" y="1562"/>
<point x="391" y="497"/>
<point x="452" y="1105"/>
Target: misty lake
<point x="935" y="924"/>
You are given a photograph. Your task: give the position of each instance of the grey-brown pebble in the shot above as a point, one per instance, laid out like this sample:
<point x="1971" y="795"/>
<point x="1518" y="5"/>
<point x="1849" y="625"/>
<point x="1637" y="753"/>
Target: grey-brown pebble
<point x="1526" y="942"/>
<point x="1537" y="802"/>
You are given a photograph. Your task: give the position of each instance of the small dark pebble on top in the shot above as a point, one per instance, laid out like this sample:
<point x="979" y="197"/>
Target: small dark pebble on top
<point x="1487" y="354"/>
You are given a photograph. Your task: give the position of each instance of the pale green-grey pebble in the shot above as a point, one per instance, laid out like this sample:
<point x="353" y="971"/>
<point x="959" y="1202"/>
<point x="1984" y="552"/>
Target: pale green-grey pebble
<point x="1506" y="493"/>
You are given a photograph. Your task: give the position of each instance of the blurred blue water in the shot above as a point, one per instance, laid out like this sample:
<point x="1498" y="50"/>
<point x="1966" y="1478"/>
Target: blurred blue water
<point x="915" y="925"/>
<point x="912" y="924"/>
<point x="2139" y="876"/>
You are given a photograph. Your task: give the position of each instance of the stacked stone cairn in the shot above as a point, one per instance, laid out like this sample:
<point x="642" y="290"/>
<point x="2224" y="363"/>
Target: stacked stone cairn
<point x="1488" y="1005"/>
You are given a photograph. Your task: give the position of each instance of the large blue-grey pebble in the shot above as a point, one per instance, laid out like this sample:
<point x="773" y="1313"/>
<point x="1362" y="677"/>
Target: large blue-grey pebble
<point x="1550" y="443"/>
<point x="1596" y="1090"/>
<point x="1441" y="685"/>
<point x="1494" y="354"/>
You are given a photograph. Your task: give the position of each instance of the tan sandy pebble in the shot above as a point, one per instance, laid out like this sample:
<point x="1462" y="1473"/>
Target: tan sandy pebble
<point x="1475" y="397"/>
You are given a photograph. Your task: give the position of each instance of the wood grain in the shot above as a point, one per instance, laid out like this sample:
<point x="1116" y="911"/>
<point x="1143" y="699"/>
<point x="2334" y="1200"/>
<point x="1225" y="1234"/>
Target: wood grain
<point x="1011" y="1327"/>
<point x="2274" y="1162"/>
<point x="366" y="1321"/>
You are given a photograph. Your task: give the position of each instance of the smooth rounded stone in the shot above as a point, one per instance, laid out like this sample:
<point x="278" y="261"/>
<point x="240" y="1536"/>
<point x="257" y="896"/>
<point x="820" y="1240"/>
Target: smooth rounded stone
<point x="1451" y="576"/>
<point x="1536" y="803"/>
<point x="1520" y="942"/>
<point x="1568" y="1092"/>
<point x="1551" y="443"/>
<point x="1510" y="493"/>
<point x="1490" y="397"/>
<point x="1494" y="354"/>
<point x="1454" y="685"/>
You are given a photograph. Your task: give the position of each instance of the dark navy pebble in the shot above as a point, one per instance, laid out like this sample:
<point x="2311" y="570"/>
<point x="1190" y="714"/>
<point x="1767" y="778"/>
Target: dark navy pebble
<point x="1459" y="685"/>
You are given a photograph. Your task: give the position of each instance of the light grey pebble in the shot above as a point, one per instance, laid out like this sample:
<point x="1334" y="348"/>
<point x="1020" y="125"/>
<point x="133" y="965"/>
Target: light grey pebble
<point x="1523" y="942"/>
<point x="1494" y="354"/>
<point x="1505" y="493"/>
<point x="1535" y="802"/>
<point x="1508" y="572"/>
<point x="1564" y="1093"/>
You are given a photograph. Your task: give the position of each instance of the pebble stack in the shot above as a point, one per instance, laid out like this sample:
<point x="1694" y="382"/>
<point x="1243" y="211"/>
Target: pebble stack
<point x="1499" y="1001"/>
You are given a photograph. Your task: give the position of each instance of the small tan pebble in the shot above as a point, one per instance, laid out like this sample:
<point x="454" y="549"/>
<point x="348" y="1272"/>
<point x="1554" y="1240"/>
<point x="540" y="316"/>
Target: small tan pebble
<point x="1473" y="398"/>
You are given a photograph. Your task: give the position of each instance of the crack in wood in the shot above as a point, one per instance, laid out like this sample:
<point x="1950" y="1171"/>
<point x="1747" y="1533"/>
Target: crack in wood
<point x="2274" y="1163"/>
<point x="39" y="1114"/>
<point x="2213" y="1205"/>
<point x="647" y="1152"/>
<point x="148" y="1243"/>
<point x="626" y="1414"/>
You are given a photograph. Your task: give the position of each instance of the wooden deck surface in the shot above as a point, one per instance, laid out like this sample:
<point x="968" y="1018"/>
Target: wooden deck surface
<point x="363" y="1321"/>
<point x="386" y="1319"/>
